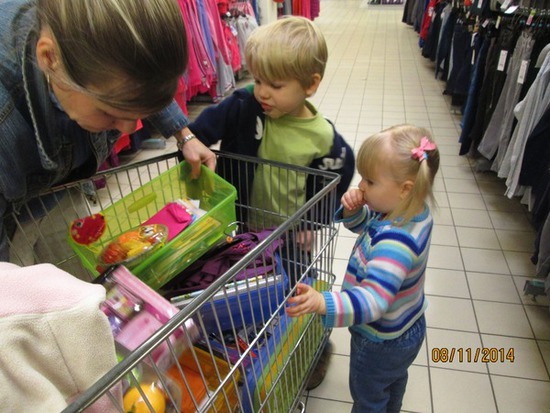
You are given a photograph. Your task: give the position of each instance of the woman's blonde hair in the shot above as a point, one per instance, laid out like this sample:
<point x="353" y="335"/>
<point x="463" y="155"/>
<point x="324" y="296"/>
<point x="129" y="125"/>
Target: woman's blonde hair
<point x="392" y="149"/>
<point x="289" y="48"/>
<point x="133" y="52"/>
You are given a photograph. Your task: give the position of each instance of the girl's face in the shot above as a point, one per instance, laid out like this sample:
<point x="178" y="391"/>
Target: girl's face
<point x="381" y="192"/>
<point x="283" y="97"/>
<point x="92" y="114"/>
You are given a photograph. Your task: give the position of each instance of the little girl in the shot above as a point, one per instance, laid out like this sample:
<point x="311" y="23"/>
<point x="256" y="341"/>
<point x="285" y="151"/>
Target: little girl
<point x="382" y="298"/>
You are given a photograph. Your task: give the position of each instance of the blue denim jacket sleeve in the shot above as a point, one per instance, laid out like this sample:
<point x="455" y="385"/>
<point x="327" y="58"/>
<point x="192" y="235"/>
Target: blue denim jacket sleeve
<point x="169" y="120"/>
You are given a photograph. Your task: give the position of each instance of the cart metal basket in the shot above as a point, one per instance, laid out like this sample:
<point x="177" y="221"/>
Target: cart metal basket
<point x="250" y="356"/>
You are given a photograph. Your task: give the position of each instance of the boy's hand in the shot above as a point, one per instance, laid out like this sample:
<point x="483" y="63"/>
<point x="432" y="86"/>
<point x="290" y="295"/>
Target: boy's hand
<point x="306" y="301"/>
<point x="305" y="239"/>
<point x="353" y="200"/>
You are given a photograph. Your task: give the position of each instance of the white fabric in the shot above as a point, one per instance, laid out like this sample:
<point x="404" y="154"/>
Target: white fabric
<point x="55" y="342"/>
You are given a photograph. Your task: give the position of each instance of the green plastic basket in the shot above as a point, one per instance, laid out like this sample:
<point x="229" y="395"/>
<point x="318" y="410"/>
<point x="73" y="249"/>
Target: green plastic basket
<point x="216" y="196"/>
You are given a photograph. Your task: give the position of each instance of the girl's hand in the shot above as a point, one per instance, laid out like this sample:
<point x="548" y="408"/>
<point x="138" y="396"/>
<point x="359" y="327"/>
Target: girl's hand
<point x="306" y="301"/>
<point x="353" y="200"/>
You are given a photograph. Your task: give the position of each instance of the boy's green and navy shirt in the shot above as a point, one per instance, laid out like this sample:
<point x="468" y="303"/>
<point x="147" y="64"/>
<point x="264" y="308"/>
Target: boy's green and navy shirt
<point x="382" y="294"/>
<point x="238" y="122"/>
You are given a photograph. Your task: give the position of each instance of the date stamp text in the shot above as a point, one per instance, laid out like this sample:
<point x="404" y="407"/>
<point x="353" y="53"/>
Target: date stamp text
<point x="472" y="355"/>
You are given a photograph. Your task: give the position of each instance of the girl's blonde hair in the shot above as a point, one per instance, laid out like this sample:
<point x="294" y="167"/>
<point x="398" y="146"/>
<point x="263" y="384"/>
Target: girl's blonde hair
<point x="392" y="149"/>
<point x="289" y="48"/>
<point x="133" y="52"/>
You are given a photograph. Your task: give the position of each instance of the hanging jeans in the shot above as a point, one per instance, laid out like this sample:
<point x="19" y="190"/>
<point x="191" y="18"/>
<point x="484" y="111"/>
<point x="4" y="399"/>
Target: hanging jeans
<point x="481" y="48"/>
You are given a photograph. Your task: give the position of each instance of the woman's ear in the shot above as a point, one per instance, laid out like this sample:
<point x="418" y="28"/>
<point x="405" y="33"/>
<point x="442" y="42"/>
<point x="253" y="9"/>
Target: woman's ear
<point x="46" y="54"/>
<point x="315" y="82"/>
<point x="406" y="188"/>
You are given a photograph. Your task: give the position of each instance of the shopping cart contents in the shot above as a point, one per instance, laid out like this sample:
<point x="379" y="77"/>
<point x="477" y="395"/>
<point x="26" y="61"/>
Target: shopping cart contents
<point x="146" y="387"/>
<point x="215" y="262"/>
<point x="248" y="356"/>
<point x="176" y="216"/>
<point x="132" y="247"/>
<point x="88" y="230"/>
<point x="135" y="312"/>
<point x="201" y="377"/>
<point x="136" y="403"/>
<point x="159" y="201"/>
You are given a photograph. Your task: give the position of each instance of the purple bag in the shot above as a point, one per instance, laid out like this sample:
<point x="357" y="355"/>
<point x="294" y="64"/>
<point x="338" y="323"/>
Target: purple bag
<point x="217" y="261"/>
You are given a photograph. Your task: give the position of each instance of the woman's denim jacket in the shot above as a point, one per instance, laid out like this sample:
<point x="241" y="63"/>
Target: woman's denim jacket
<point x="36" y="139"/>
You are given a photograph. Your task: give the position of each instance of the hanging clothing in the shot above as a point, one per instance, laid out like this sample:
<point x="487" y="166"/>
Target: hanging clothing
<point x="497" y="136"/>
<point x="529" y="113"/>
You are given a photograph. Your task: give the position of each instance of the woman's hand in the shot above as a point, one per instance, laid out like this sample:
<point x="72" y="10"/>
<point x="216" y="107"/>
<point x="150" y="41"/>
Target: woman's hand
<point x="196" y="153"/>
<point x="306" y="301"/>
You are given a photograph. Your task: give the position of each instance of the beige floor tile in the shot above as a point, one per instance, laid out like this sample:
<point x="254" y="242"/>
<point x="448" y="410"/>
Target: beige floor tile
<point x="539" y="318"/>
<point x="444" y="235"/>
<point x="501" y="203"/>
<point x="448" y="257"/>
<point x="447" y="283"/>
<point x="519" y="395"/>
<point x="462" y="186"/>
<point x="476" y="237"/>
<point x="461" y="392"/>
<point x="520" y="263"/>
<point x="442" y="313"/>
<point x="340" y="338"/>
<point x="471" y="218"/>
<point x="502" y="319"/>
<point x="458" y="172"/>
<point x="522" y="241"/>
<point x="493" y="287"/>
<point x="418" y="395"/>
<point x="527" y="360"/>
<point x="483" y="260"/>
<point x="510" y="221"/>
<point x="315" y="404"/>
<point x="336" y="380"/>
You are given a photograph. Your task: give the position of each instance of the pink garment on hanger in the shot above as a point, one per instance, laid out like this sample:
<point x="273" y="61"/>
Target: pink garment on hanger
<point x="233" y="43"/>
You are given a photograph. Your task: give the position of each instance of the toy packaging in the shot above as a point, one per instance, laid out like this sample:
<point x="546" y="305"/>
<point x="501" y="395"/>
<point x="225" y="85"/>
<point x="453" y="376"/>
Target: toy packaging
<point x="135" y="312"/>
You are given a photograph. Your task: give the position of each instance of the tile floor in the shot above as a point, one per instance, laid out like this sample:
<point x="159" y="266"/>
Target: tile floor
<point x="482" y="241"/>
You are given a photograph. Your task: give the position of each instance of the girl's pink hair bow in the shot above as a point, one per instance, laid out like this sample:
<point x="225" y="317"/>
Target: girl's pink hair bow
<point x="419" y="153"/>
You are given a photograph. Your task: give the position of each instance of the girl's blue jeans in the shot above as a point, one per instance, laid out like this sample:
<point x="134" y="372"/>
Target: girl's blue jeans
<point x="378" y="371"/>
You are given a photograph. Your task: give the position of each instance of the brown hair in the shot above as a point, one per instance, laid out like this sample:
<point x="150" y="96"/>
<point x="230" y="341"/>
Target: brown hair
<point x="130" y="53"/>
<point x="392" y="149"/>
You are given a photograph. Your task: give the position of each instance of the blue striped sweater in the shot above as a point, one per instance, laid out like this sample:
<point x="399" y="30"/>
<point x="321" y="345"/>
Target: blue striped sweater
<point x="383" y="290"/>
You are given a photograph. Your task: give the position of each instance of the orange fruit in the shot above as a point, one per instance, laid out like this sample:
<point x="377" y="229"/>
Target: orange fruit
<point x="135" y="403"/>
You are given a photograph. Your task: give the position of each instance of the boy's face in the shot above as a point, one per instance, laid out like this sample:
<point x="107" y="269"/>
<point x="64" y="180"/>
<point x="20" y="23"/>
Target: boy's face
<point x="283" y="97"/>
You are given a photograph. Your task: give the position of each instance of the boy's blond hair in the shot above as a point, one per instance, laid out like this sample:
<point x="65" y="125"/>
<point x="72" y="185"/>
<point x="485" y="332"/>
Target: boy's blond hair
<point x="289" y="48"/>
<point x="392" y="149"/>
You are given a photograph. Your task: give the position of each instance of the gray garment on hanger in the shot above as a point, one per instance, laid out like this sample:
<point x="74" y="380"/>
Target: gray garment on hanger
<point x="528" y="112"/>
<point x="497" y="135"/>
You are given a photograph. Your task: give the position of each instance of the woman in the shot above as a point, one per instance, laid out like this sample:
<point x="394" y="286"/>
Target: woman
<point x="75" y="74"/>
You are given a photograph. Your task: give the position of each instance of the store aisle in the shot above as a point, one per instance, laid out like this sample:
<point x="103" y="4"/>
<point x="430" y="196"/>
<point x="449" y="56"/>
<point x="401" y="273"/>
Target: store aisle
<point x="482" y="242"/>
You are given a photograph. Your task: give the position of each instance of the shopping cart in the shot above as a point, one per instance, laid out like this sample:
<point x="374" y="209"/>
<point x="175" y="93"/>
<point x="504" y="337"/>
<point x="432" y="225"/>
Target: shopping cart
<point x="250" y="356"/>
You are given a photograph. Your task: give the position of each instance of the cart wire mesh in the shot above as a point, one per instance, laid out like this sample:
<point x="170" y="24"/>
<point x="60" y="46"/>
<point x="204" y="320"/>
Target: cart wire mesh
<point x="249" y="356"/>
